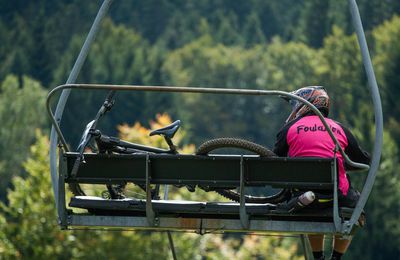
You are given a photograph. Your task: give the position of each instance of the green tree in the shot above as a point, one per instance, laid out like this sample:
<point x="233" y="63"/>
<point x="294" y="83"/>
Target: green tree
<point x="387" y="65"/>
<point x="313" y="23"/>
<point x="228" y="30"/>
<point x="382" y="232"/>
<point x="29" y="227"/>
<point x="375" y="12"/>
<point x="204" y="63"/>
<point x="342" y="73"/>
<point x="118" y="56"/>
<point x="21" y="111"/>
<point x="38" y="33"/>
<point x="252" y="31"/>
<point x="16" y="47"/>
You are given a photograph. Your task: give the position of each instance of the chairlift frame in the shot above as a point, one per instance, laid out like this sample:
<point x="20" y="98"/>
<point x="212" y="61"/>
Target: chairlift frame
<point x="59" y="146"/>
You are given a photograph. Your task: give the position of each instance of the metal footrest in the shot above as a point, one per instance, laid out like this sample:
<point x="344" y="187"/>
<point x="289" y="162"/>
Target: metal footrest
<point x="229" y="210"/>
<point x="98" y="205"/>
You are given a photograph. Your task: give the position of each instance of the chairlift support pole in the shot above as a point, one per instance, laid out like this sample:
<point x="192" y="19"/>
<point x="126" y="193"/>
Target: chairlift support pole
<point x="306" y="247"/>
<point x="54" y="136"/>
<point x="374" y="90"/>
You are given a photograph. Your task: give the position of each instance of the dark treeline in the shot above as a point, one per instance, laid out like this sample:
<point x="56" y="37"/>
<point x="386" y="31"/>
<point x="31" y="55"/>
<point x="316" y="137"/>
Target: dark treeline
<point x="254" y="44"/>
<point x="34" y="35"/>
<point x="42" y="38"/>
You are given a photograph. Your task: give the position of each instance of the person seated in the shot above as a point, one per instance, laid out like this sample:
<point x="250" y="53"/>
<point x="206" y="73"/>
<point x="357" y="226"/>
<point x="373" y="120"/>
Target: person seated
<point x="304" y="135"/>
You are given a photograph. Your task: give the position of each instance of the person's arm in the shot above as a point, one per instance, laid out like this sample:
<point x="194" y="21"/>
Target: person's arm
<point x="281" y="147"/>
<point x="354" y="151"/>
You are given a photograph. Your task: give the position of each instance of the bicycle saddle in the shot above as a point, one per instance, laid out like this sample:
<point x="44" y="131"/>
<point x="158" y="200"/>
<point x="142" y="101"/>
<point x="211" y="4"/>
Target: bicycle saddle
<point x="168" y="131"/>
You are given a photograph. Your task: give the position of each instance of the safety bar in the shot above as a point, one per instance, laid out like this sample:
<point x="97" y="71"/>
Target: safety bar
<point x="194" y="90"/>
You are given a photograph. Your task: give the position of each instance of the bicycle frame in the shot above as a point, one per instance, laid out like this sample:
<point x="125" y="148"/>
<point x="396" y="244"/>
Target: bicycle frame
<point x="143" y="148"/>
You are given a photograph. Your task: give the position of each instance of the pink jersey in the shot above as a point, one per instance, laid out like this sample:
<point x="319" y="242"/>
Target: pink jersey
<point x="308" y="138"/>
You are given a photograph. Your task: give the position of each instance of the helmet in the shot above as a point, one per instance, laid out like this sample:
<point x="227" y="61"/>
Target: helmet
<point x="316" y="95"/>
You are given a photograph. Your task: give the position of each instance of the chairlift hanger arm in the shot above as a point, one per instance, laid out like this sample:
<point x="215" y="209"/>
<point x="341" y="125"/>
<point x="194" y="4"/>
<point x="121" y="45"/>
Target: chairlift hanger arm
<point x="376" y="100"/>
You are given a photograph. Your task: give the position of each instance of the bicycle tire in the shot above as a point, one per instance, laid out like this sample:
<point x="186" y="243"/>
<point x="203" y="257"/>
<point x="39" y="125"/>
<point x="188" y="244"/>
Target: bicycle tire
<point x="106" y="191"/>
<point x="229" y="142"/>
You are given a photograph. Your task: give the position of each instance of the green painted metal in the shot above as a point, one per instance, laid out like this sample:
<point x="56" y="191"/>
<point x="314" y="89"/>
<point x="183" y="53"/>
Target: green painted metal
<point x="203" y="170"/>
<point x="217" y="171"/>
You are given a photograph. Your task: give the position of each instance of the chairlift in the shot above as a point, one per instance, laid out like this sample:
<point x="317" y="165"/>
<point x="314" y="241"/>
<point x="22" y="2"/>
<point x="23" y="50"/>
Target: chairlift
<point x="117" y="163"/>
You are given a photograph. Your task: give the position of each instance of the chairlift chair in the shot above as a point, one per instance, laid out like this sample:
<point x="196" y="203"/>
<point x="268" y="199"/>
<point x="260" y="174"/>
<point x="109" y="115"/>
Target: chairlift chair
<point x="216" y="171"/>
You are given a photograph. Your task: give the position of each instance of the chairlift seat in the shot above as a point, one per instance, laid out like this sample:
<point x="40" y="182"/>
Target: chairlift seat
<point x="214" y="171"/>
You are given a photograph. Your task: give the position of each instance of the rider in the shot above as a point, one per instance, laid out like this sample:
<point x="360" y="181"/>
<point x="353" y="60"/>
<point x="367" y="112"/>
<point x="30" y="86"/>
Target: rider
<point x="304" y="135"/>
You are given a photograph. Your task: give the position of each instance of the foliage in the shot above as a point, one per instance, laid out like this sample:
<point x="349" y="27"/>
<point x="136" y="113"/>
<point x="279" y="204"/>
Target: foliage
<point x="119" y="55"/>
<point x="382" y="232"/>
<point x="342" y="73"/>
<point x="140" y="134"/>
<point x="387" y="63"/>
<point x="29" y="226"/>
<point x="204" y="63"/>
<point x="21" y="111"/>
<point x="231" y="44"/>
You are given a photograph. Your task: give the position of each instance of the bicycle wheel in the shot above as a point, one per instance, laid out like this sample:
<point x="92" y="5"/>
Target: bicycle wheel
<point x="112" y="191"/>
<point x="275" y="196"/>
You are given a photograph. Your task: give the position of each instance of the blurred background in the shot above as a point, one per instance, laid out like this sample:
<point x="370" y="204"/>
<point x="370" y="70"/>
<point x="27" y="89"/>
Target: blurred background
<point x="253" y="44"/>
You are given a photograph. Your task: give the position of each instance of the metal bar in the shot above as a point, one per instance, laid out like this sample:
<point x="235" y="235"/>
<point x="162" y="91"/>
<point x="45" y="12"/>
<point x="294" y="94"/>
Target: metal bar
<point x="171" y="242"/>
<point x="55" y="134"/>
<point x="336" y="217"/>
<point x="244" y="217"/>
<point x="196" y="169"/>
<point x="171" y="245"/>
<point x="207" y="225"/>
<point x="62" y="211"/>
<point x="149" y="207"/>
<point x="170" y="239"/>
<point x="306" y="247"/>
<point x="373" y="86"/>
<point x="166" y="189"/>
<point x="201" y="90"/>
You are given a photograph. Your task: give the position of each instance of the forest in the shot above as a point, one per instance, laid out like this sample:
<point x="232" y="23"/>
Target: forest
<point x="253" y="44"/>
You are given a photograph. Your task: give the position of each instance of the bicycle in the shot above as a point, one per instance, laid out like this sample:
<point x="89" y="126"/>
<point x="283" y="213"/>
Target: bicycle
<point x="108" y="145"/>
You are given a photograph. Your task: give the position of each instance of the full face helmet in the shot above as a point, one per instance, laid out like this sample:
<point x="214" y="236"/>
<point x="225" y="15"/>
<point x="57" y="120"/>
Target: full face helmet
<point x="316" y="95"/>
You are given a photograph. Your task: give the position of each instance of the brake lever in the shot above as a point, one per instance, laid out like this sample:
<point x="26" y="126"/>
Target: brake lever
<point x="81" y="158"/>
<point x="92" y="131"/>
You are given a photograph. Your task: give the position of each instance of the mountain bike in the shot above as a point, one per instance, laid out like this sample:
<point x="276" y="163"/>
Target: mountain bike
<point x="97" y="142"/>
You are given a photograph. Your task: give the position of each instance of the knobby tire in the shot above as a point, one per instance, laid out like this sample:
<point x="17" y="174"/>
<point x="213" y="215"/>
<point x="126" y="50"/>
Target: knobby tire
<point x="227" y="142"/>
